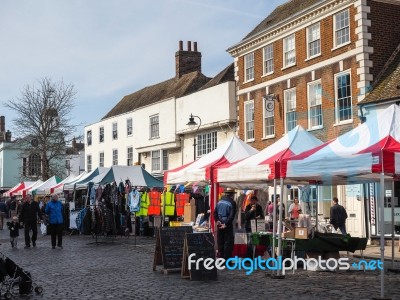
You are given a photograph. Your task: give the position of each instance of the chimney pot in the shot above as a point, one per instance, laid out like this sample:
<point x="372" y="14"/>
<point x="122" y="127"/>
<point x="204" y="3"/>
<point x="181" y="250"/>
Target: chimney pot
<point x="195" y="46"/>
<point x="189" y="44"/>
<point x="180" y="45"/>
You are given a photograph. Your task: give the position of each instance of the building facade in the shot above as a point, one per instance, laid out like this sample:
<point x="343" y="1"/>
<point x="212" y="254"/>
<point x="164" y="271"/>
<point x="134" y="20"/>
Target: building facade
<point x="149" y="127"/>
<point x="309" y="63"/>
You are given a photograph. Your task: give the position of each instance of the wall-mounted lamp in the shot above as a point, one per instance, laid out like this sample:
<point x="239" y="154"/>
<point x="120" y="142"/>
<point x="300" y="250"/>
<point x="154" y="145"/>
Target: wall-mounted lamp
<point x="145" y="154"/>
<point x="192" y="124"/>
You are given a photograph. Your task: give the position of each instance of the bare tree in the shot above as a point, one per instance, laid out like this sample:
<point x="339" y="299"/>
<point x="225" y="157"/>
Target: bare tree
<point x="44" y="123"/>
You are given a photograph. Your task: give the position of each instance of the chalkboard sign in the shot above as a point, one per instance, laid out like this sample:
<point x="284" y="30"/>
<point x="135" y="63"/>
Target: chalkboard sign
<point x="202" y="245"/>
<point x="169" y="247"/>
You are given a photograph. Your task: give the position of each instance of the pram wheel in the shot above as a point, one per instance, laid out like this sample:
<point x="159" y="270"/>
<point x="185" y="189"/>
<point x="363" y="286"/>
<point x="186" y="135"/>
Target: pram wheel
<point x="8" y="295"/>
<point x="38" y="290"/>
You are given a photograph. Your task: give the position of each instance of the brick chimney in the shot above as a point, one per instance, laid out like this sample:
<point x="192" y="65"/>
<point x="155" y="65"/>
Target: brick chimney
<point x="187" y="61"/>
<point x="2" y="123"/>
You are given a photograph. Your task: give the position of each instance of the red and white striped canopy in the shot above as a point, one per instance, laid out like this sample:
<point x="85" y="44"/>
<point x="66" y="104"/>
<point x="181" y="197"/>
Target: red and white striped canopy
<point x="23" y="192"/>
<point x="372" y="147"/>
<point x="265" y="165"/>
<point x="11" y="192"/>
<point x="201" y="170"/>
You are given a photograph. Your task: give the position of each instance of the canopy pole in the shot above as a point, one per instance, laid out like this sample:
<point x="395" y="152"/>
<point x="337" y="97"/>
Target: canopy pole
<point x="280" y="223"/>
<point x="392" y="205"/>
<point x="274" y="221"/>
<point x="382" y="240"/>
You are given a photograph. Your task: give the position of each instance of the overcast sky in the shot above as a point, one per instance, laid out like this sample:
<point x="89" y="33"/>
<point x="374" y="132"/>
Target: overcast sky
<point x="110" y="48"/>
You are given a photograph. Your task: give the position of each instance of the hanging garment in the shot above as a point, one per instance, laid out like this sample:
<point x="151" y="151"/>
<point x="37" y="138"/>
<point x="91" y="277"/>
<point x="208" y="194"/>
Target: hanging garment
<point x="134" y="201"/>
<point x="144" y="204"/>
<point x="181" y="200"/>
<point x="92" y="196"/>
<point x="169" y="203"/>
<point x="127" y="187"/>
<point x="154" y="207"/>
<point x="99" y="192"/>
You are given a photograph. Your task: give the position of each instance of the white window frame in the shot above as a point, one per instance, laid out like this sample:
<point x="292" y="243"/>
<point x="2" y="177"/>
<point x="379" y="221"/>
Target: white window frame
<point x="101" y="134"/>
<point x="266" y="116"/>
<point x="249" y="120"/>
<point x="314" y="99"/>
<point x="129" y="156"/>
<point x="115" y="157"/>
<point x="268" y="58"/>
<point x="115" y="131"/>
<point x="249" y="67"/>
<point x="313" y="37"/>
<point x="89" y="162"/>
<point x="338" y="29"/>
<point x="156" y="161"/>
<point x="154" y="126"/>
<point x="129" y="127"/>
<point x="89" y="137"/>
<point x="159" y="161"/>
<point x="289" y="51"/>
<point x="290" y="100"/>
<point x="165" y="161"/>
<point x="101" y="159"/>
<point x="206" y="142"/>
<point x="337" y="112"/>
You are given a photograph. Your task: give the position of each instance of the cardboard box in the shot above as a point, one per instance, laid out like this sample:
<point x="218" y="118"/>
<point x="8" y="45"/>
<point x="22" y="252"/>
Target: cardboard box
<point x="301" y="233"/>
<point x="189" y="213"/>
<point x="288" y="234"/>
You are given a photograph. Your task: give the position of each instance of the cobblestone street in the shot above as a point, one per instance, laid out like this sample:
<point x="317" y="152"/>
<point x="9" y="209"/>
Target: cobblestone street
<point x="121" y="270"/>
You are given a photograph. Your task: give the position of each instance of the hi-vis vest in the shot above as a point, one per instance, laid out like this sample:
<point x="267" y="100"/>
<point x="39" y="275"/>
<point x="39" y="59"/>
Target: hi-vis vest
<point x="181" y="200"/>
<point x="154" y="208"/>
<point x="144" y="204"/>
<point x="169" y="203"/>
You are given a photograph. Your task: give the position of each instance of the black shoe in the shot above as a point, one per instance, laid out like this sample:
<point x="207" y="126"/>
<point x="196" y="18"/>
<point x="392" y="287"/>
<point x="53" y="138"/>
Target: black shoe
<point x="53" y="247"/>
<point x="12" y="244"/>
<point x="27" y="247"/>
<point x="60" y="247"/>
<point x="34" y="244"/>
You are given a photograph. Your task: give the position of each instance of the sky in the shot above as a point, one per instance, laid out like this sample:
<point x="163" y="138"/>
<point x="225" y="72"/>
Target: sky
<point x="111" y="48"/>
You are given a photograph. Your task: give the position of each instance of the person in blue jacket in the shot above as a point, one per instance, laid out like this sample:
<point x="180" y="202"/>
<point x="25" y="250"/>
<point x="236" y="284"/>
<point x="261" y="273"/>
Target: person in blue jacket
<point x="54" y="211"/>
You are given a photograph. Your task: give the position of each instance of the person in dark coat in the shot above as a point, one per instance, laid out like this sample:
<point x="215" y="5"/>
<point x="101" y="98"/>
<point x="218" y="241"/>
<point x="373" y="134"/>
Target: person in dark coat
<point x="338" y="216"/>
<point x="224" y="216"/>
<point x="14" y="227"/>
<point x="253" y="211"/>
<point x="29" y="213"/>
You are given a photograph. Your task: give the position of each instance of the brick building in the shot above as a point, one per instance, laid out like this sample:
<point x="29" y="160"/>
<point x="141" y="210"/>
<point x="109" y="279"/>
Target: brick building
<point x="310" y="63"/>
<point x="315" y="59"/>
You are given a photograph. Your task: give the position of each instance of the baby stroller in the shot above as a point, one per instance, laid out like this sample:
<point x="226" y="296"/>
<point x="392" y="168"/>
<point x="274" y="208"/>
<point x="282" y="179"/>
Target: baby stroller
<point x="14" y="280"/>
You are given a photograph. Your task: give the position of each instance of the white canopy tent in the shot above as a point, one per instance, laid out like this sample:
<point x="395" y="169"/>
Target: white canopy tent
<point x="201" y="170"/>
<point x="58" y="188"/>
<point x="40" y="190"/>
<point x="369" y="152"/>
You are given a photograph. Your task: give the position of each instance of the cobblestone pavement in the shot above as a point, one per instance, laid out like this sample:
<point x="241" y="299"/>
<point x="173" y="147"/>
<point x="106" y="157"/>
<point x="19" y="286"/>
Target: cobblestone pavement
<point x="121" y="270"/>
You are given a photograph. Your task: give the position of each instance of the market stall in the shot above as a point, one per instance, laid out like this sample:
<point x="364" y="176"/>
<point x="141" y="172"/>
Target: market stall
<point x="11" y="192"/>
<point x="263" y="168"/>
<point x="367" y="153"/>
<point x="41" y="190"/>
<point x="201" y="171"/>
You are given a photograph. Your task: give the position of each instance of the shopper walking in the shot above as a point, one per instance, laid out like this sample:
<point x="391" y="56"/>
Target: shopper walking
<point x="28" y="216"/>
<point x="54" y="211"/>
<point x="14" y="226"/>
